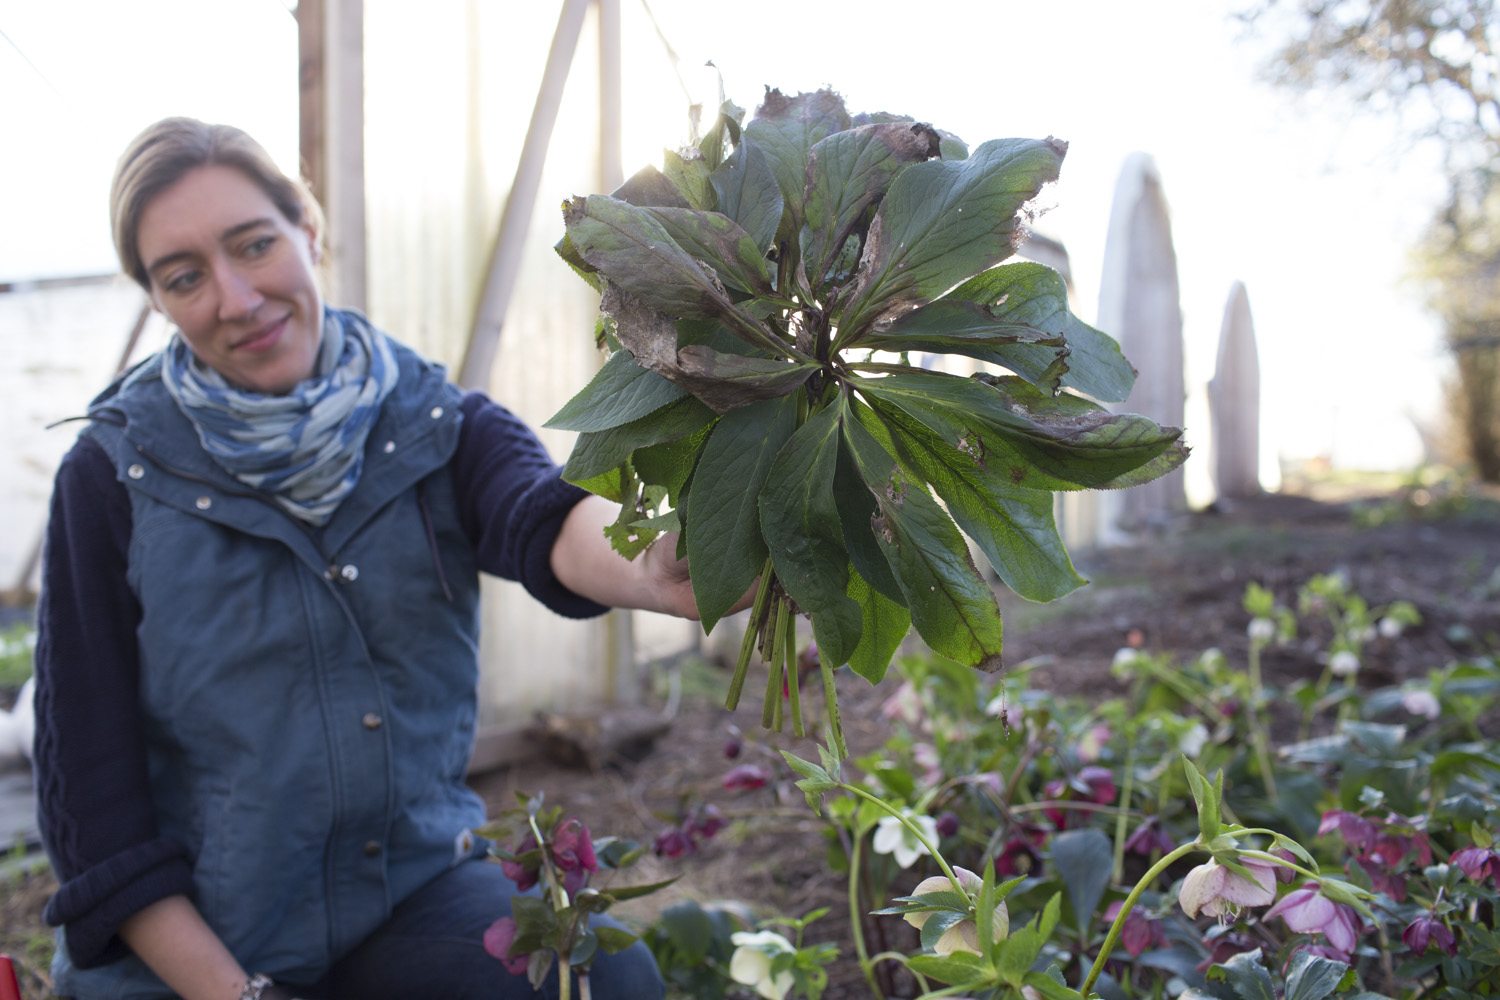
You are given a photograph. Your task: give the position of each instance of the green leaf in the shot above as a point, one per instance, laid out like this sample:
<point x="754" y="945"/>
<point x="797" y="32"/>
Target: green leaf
<point x="857" y="513"/>
<point x="1313" y="977"/>
<point x="723" y="133"/>
<point x="717" y="240"/>
<point x="941" y="223"/>
<point x="1245" y="975"/>
<point x="1014" y="527"/>
<point x="613" y="939"/>
<point x="1018" y="953"/>
<point x="670" y="463"/>
<point x="815" y="780"/>
<point x="619" y="392"/>
<point x="787" y="128"/>
<point x="648" y="186"/>
<point x="723" y="538"/>
<point x="688" y="926"/>
<point x="1205" y="797"/>
<point x="958" y="969"/>
<point x="631" y="248"/>
<point x="938" y="924"/>
<point x="884" y="624"/>
<point x="1016" y="315"/>
<point x="1049" y="987"/>
<point x="746" y="190"/>
<point x="951" y="606"/>
<point x="690" y="175"/>
<point x="623" y="892"/>
<point x="725" y="380"/>
<point x="1084" y="859"/>
<point x="800" y="524"/>
<point x="1031" y="439"/>
<point x="847" y="174"/>
<point x="599" y="452"/>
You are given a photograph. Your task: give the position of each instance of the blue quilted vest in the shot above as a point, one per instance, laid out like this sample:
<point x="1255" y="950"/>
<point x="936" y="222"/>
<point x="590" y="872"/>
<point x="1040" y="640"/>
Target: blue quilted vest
<point x="308" y="695"/>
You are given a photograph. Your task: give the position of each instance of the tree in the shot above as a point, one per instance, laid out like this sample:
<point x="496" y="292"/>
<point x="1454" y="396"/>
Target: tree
<point x="1434" y="63"/>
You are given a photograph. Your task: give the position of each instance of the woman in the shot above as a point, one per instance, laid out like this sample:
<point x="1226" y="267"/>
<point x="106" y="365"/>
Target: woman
<point x="258" y="625"/>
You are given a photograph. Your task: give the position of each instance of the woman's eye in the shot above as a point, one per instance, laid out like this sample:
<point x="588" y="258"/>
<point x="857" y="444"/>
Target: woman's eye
<point x="183" y="282"/>
<point x="258" y="247"/>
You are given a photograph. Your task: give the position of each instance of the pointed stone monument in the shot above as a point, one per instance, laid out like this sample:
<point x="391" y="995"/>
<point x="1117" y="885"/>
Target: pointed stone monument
<point x="1139" y="305"/>
<point x="1234" y="402"/>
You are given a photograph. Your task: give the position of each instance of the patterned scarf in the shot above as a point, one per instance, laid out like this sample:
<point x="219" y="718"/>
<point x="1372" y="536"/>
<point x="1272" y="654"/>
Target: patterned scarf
<point x="305" y="448"/>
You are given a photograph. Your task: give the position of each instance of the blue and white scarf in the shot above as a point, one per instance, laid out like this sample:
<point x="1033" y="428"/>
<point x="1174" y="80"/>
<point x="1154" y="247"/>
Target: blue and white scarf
<point x="305" y="448"/>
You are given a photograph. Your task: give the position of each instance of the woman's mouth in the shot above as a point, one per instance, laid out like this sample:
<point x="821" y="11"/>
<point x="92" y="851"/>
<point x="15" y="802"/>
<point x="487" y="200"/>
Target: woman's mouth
<point x="263" y="339"/>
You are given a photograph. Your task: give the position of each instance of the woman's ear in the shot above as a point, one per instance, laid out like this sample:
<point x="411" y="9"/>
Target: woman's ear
<point x="314" y="243"/>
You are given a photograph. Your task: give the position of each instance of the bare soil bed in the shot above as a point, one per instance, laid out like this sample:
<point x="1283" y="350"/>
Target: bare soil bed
<point x="1180" y="592"/>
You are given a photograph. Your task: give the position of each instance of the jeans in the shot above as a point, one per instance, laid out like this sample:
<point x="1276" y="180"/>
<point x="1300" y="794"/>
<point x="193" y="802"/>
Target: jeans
<point x="432" y="948"/>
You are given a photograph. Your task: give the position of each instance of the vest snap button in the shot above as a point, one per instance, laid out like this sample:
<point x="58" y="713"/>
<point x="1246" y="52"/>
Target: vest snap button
<point x="437" y="411"/>
<point x="390" y="446"/>
<point x="136" y="471"/>
<point x="372" y="721"/>
<point x="350" y="573"/>
<point x="372" y="848"/>
<point x="203" y="503"/>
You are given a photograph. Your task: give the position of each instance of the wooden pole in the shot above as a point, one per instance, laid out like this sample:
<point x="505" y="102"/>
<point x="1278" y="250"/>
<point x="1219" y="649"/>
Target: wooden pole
<point x="330" y="35"/>
<point x="515" y="218"/>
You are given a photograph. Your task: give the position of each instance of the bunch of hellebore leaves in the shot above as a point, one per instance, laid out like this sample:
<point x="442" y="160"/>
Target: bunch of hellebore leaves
<point x="558" y="854"/>
<point x="760" y="296"/>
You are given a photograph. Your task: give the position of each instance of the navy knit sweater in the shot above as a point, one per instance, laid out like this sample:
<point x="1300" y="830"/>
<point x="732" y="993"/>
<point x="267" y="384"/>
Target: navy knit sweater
<point x="93" y="799"/>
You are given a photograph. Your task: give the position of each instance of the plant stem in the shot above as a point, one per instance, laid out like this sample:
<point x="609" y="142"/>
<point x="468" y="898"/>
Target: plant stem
<point x="792" y="674"/>
<point x="770" y="711"/>
<point x="1272" y="859"/>
<point x="856" y="920"/>
<point x="1116" y="928"/>
<point x="911" y="827"/>
<point x="831" y="699"/>
<point x="564" y="978"/>
<point x="752" y="627"/>
<point x="1124" y="807"/>
<point x="1257" y="727"/>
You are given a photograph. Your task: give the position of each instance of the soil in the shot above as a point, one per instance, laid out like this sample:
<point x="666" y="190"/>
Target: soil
<point x="1178" y="592"/>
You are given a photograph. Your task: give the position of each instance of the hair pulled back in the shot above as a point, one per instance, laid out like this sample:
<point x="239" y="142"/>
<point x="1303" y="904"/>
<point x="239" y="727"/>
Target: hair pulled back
<point x="172" y="148"/>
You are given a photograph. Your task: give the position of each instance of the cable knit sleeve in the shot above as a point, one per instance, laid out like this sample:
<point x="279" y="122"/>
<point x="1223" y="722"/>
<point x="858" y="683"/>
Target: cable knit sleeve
<point x="93" y="798"/>
<point x="512" y="501"/>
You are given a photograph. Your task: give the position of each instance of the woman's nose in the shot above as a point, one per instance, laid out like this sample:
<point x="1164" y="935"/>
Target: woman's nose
<point x="238" y="296"/>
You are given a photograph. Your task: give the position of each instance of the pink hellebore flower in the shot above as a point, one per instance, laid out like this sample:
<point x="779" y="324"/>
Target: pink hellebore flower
<point x="1478" y="863"/>
<point x="905" y="705"/>
<point x="1429" y="930"/>
<point x="672" y="843"/>
<point x="1140" y="932"/>
<point x="1218" y="892"/>
<point x="1420" y="701"/>
<point x="746" y="778"/>
<point x="573" y="852"/>
<point x="1308" y="911"/>
<point x="520" y="874"/>
<point x="1149" y="838"/>
<point x="497" y="942"/>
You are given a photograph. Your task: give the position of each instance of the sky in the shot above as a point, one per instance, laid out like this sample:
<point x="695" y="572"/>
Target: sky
<point x="1310" y="202"/>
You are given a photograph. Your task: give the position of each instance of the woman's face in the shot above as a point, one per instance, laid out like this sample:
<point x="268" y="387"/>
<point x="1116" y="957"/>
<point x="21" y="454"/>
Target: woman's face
<point x="236" y="277"/>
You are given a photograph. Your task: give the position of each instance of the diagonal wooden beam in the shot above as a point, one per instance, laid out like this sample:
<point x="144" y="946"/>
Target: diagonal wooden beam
<point x="515" y="218"/>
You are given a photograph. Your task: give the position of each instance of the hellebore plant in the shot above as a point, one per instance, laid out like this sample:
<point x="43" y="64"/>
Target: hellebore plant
<point x="559" y="855"/>
<point x="762" y="295"/>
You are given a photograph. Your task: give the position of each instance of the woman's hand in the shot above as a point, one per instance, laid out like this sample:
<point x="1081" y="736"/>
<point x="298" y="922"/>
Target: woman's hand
<point x="583" y="561"/>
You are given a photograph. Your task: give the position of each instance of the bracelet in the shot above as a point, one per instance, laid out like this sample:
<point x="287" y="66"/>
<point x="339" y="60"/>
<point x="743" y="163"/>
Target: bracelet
<point x="255" y="988"/>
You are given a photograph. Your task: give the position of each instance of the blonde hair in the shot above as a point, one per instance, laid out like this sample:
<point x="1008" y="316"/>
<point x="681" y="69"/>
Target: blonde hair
<point x="170" y="149"/>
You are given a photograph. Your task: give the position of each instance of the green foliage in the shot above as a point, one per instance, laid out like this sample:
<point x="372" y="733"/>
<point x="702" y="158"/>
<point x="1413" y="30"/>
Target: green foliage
<point x="760" y="296"/>
<point x="17" y="649"/>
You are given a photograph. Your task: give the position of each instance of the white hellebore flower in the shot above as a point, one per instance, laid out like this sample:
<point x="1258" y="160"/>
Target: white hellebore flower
<point x="1390" y="628"/>
<point x="1125" y="656"/>
<point x="1420" y="701"/>
<point x="751" y="963"/>
<point x="1343" y="663"/>
<point x="1261" y="629"/>
<point x="892" y="837"/>
<point x="964" y="935"/>
<point x="1192" y="742"/>
<point x="1215" y="890"/>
